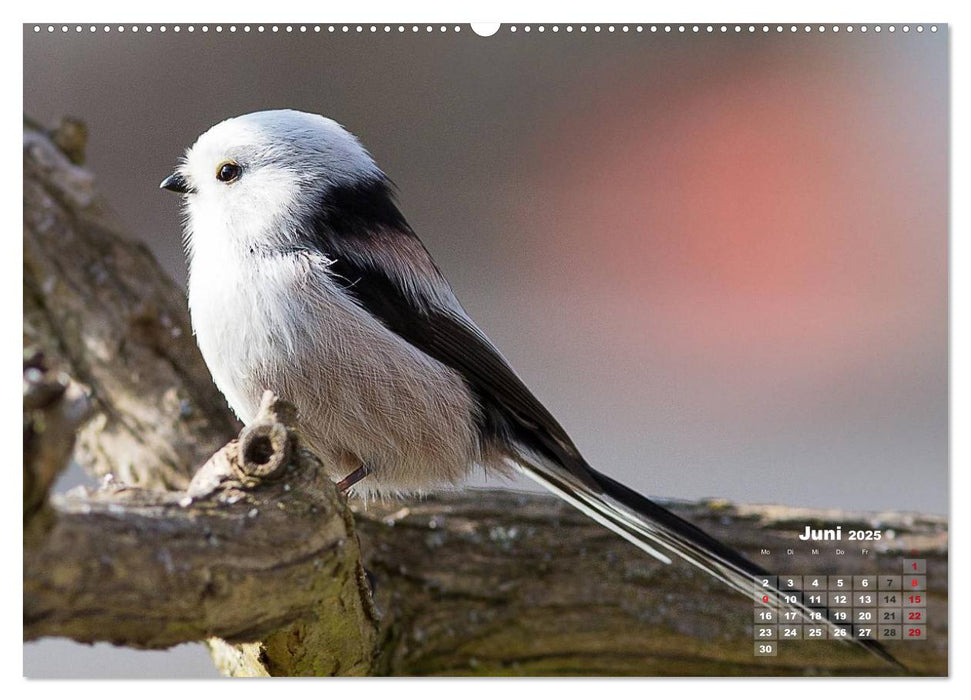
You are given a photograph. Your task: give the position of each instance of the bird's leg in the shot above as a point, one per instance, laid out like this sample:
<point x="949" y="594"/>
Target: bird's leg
<point x="354" y="477"/>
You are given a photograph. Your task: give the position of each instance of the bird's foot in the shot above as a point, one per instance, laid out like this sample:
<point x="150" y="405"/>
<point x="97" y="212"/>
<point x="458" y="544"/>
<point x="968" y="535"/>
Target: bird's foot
<point x="354" y="477"/>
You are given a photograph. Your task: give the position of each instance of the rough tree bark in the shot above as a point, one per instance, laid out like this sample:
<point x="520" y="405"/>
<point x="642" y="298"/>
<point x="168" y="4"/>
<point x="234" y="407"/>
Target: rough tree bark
<point x="259" y="540"/>
<point x="259" y="554"/>
<point x="101" y="309"/>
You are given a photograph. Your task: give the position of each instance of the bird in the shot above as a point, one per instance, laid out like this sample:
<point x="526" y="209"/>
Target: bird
<point x="305" y="278"/>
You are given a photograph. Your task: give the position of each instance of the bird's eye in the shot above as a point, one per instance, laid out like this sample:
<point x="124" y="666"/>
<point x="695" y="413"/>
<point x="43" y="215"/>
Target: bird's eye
<point x="228" y="171"/>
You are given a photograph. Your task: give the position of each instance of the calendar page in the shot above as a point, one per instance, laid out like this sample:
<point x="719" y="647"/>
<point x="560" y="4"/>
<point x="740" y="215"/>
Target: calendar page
<point x="535" y="349"/>
<point x="851" y="585"/>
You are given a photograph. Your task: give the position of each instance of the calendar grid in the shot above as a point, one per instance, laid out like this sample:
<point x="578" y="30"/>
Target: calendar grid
<point x="885" y="607"/>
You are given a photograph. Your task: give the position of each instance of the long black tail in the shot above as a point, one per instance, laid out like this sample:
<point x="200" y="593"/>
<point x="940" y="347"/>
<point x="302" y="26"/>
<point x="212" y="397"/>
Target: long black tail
<point x="661" y="533"/>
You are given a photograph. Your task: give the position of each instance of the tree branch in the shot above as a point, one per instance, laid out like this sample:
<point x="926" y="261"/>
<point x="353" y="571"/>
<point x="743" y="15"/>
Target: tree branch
<point x="258" y="541"/>
<point x="100" y="309"/>
<point x="498" y="583"/>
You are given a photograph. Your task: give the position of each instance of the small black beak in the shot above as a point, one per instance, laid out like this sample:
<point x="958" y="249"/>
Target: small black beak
<point x="175" y="183"/>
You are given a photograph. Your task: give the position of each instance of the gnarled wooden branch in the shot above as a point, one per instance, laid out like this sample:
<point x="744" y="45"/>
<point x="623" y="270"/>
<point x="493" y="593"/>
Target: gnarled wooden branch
<point x="100" y="309"/>
<point x="259" y="549"/>
<point x="258" y="542"/>
<point x="493" y="583"/>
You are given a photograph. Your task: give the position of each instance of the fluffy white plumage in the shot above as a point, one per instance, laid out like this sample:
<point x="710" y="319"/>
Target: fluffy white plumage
<point x="267" y="316"/>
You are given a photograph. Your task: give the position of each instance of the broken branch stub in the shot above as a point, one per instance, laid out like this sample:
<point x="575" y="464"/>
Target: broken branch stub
<point x="55" y="406"/>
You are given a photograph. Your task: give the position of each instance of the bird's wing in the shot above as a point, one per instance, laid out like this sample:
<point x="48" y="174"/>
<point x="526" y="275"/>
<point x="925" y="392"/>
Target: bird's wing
<point x="420" y="307"/>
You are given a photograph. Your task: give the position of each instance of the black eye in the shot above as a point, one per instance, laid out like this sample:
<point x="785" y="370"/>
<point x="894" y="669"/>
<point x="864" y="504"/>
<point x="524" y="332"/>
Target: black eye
<point x="228" y="172"/>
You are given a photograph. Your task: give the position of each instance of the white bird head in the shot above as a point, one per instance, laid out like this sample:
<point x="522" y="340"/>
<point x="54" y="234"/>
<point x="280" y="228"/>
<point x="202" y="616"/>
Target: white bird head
<point x="247" y="179"/>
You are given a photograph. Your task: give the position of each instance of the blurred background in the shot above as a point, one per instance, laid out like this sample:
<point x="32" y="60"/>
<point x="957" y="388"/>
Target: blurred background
<point x="719" y="259"/>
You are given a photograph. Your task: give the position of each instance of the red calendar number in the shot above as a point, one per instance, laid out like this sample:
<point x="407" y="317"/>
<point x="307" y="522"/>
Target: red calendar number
<point x="913" y="632"/>
<point x="915" y="598"/>
<point x="914" y="615"/>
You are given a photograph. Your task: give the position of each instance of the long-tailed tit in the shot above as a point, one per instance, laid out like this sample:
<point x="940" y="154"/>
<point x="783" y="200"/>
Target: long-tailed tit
<point x="305" y="278"/>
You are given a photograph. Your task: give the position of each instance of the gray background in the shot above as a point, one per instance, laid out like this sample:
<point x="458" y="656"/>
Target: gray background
<point x="721" y="260"/>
